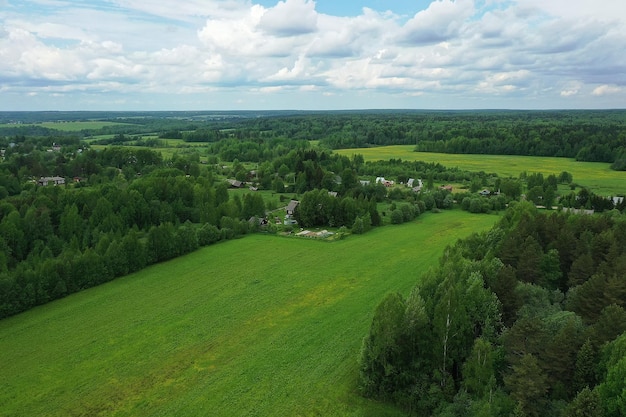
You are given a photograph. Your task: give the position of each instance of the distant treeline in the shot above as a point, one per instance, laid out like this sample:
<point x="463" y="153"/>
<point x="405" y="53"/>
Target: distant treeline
<point x="527" y="319"/>
<point x="595" y="136"/>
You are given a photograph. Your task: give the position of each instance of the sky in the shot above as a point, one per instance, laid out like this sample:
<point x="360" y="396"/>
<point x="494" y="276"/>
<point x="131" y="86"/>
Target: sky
<point x="312" y="55"/>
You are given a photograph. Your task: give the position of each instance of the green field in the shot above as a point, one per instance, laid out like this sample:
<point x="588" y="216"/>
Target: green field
<point x="171" y="146"/>
<point x="78" y="126"/>
<point x="594" y="175"/>
<point x="259" y="326"/>
<point x="71" y="126"/>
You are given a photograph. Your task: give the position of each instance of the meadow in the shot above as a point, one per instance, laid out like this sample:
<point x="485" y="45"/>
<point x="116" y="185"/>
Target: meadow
<point x="259" y="326"/>
<point x="70" y="126"/>
<point x="596" y="176"/>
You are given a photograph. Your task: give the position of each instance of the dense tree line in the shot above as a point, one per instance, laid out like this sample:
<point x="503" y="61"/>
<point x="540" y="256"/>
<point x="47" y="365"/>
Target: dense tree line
<point x="58" y="240"/>
<point x="584" y="135"/>
<point x="526" y="319"/>
<point x="585" y="199"/>
<point x="119" y="210"/>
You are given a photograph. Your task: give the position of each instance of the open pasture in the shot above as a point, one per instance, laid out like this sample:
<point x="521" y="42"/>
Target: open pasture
<point x="73" y="126"/>
<point x="596" y="176"/>
<point x="259" y="326"/>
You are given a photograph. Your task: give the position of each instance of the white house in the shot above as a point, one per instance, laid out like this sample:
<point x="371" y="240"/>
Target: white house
<point x="44" y="181"/>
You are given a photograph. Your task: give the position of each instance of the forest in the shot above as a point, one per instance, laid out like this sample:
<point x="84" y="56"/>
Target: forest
<point x="527" y="319"/>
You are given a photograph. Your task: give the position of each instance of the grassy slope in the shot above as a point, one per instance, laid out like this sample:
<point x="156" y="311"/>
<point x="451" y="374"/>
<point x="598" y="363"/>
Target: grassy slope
<point x="594" y="175"/>
<point x="261" y="326"/>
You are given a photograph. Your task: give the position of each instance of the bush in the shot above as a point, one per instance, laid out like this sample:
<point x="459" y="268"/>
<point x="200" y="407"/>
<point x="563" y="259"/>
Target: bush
<point x="397" y="216"/>
<point x="208" y="234"/>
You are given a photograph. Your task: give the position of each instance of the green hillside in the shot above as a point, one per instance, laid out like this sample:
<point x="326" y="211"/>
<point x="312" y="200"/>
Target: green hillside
<point x="260" y="326"/>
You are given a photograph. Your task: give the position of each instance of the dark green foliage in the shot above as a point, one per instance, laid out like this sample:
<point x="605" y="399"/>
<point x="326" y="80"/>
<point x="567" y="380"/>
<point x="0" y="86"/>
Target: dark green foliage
<point x="586" y="370"/>
<point x="613" y="389"/>
<point x="527" y="384"/>
<point x="558" y="314"/>
<point x="586" y="404"/>
<point x="382" y="349"/>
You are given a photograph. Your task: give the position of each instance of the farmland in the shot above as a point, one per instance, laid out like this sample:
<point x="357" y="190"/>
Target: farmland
<point x="594" y="175"/>
<point x="255" y="326"/>
<point x="70" y="126"/>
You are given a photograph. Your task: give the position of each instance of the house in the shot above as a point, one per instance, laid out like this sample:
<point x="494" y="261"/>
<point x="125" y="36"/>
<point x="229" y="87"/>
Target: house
<point x="485" y="193"/>
<point x="578" y="211"/>
<point x="291" y="207"/>
<point x="364" y="183"/>
<point x="332" y="193"/>
<point x="45" y="181"/>
<point x="617" y="200"/>
<point x="235" y="183"/>
<point x="416" y="188"/>
<point x="383" y="181"/>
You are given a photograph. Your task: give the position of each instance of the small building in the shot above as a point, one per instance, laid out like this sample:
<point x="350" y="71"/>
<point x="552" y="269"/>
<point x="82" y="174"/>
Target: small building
<point x="332" y="193"/>
<point x="364" y="183"/>
<point x="485" y="193"/>
<point x="416" y="188"/>
<point x="291" y="207"/>
<point x="235" y="183"/>
<point x="289" y="220"/>
<point x="383" y="181"/>
<point x="45" y="181"/>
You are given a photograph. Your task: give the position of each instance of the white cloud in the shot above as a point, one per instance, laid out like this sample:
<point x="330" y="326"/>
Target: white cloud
<point x="610" y="10"/>
<point x="290" y="17"/>
<point x="453" y="49"/>
<point x="442" y="21"/>
<point x="607" y="89"/>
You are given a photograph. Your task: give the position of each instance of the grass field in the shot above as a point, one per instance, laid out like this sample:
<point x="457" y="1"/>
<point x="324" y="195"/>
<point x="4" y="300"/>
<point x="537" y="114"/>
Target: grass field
<point x="71" y="126"/>
<point x="260" y="326"/>
<point x="594" y="175"/>
<point x="171" y="146"/>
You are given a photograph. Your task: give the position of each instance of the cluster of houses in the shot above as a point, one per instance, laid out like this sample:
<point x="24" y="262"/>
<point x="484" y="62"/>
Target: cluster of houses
<point x="411" y="183"/>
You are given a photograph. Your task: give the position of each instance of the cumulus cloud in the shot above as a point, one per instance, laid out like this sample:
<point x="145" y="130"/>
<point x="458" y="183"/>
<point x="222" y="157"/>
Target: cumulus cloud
<point x="607" y="89"/>
<point x="441" y="21"/>
<point x="289" y="18"/>
<point x="462" y="49"/>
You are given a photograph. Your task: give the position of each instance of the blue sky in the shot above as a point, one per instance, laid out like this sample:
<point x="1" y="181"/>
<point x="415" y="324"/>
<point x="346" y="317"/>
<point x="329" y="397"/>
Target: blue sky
<point x="305" y="54"/>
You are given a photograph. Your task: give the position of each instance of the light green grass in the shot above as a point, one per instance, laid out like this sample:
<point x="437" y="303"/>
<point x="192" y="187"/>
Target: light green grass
<point x="260" y="326"/>
<point x="174" y="146"/>
<point x="596" y="176"/>
<point x="72" y="126"/>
